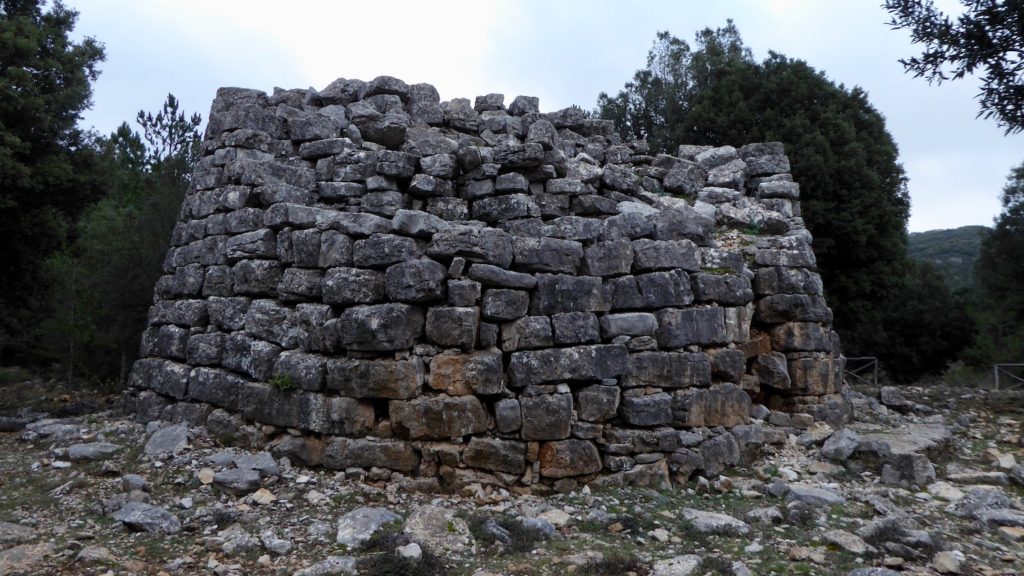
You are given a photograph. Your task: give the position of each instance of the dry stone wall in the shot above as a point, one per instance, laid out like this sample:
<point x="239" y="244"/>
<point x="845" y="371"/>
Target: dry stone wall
<point x="369" y="278"/>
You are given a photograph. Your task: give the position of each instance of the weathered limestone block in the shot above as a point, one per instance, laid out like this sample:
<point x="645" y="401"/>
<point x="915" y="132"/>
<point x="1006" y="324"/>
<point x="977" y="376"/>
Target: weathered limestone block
<point x="575" y="328"/>
<point x="302" y="369"/>
<point x="772" y="370"/>
<point x="560" y="364"/>
<point x="439" y="417"/>
<point x="704" y="326"/>
<point x="779" y="308"/>
<point x="217" y="387"/>
<point x="508" y="456"/>
<point x="665" y="254"/>
<point x="778" y="280"/>
<point x="382" y="250"/>
<point x="527" y="332"/>
<point x="345" y="286"/>
<point x="490" y="275"/>
<point x="646" y="410"/>
<point x="453" y="326"/>
<point x="205" y="349"/>
<point x="344" y="453"/>
<point x="598" y="403"/>
<point x="721" y="405"/>
<point x="628" y="324"/>
<point x="380" y="327"/>
<point x="546" y="254"/>
<point x="256" y="277"/>
<point x="546" y="417"/>
<point x="508" y="415"/>
<point x="724" y="289"/>
<point x="668" y="370"/>
<point x="415" y="281"/>
<point x="315" y="412"/>
<point x="815" y="376"/>
<point x="461" y="374"/>
<point x="162" y="376"/>
<point x="504" y="305"/>
<point x="365" y="378"/>
<point x="250" y="356"/>
<point x="557" y="293"/>
<point x="569" y="458"/>
<point x="270" y="321"/>
<point x="486" y="245"/>
<point x="800" y="337"/>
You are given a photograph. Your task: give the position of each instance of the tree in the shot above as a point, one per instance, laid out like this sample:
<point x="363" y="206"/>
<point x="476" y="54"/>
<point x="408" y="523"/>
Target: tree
<point x="854" y="196"/>
<point x="47" y="166"/>
<point x="1000" y="272"/>
<point x="987" y="38"/>
<point x="107" y="275"/>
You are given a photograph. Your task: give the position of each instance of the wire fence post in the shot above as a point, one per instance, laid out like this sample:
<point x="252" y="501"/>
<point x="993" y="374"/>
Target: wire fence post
<point x="863" y="370"/>
<point x="1006" y="370"/>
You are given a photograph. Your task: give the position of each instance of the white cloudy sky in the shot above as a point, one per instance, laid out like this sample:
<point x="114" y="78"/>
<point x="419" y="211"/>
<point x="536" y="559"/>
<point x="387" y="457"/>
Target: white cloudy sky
<point x="565" y="52"/>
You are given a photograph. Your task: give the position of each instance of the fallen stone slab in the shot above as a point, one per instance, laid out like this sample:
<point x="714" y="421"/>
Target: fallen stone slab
<point x="332" y="566"/>
<point x="21" y="559"/>
<point x="715" y="523"/>
<point x="438" y="529"/>
<point x="847" y="541"/>
<point x="167" y="440"/>
<point x="357" y="527"/>
<point x="990" y="478"/>
<point x="142" y="517"/>
<point x="237" y="481"/>
<point x="93" y="451"/>
<point x="678" y="566"/>
<point x="12" y="534"/>
<point x="814" y="495"/>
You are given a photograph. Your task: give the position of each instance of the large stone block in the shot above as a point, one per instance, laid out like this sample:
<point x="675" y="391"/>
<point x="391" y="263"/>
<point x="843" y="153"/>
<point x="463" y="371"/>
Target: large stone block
<point x="779" y="308"/>
<point x="669" y="288"/>
<point x="309" y="411"/>
<point x="546" y="254"/>
<point x="580" y="363"/>
<point x="163" y="376"/>
<point x="725" y="289"/>
<point x="557" y="293"/>
<point x="628" y="324"/>
<point x="508" y="456"/>
<point x="365" y="378"/>
<point x="575" y="328"/>
<point x="546" y="417"/>
<point x="815" y="376"/>
<point x="302" y="369"/>
<point x="668" y="370"/>
<point x="415" y="281"/>
<point x="486" y="245"/>
<point x="453" y="326"/>
<point x="298" y="284"/>
<point x="721" y="405"/>
<point x="508" y="207"/>
<point x="382" y="250"/>
<point x="777" y="280"/>
<point x="612" y="258"/>
<point x="598" y="403"/>
<point x="702" y="326"/>
<point x="461" y="374"/>
<point x="439" y="417"/>
<point x="665" y="254"/>
<point x="569" y="458"/>
<point x="647" y="410"/>
<point x="490" y="275"/>
<point x="270" y="321"/>
<point x="344" y="453"/>
<point x="215" y="386"/>
<point x="527" y="332"/>
<point x="801" y="337"/>
<point x="504" y="305"/>
<point x="250" y="356"/>
<point x="256" y="277"/>
<point x="346" y="286"/>
<point x="380" y="327"/>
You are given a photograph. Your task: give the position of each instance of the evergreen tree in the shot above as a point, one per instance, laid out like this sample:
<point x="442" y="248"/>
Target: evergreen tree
<point x="47" y="165"/>
<point x="853" y="188"/>
<point x="105" y="279"/>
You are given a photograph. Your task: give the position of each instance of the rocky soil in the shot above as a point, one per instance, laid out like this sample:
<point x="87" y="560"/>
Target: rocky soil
<point x="926" y="482"/>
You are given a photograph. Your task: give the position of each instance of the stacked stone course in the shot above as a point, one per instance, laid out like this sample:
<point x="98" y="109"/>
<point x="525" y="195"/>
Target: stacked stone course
<point x="481" y="293"/>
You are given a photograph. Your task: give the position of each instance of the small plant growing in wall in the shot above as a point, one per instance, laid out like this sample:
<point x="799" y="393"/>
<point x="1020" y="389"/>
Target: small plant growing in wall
<point x="282" y="382"/>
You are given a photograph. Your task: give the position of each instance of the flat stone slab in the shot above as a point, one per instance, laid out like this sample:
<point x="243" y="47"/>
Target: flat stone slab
<point x="678" y="566"/>
<point x="814" y="495"/>
<point x="931" y="440"/>
<point x="93" y="451"/>
<point x="715" y="523"/>
<point x="142" y="517"/>
<point x="358" y="526"/>
<point x="12" y="534"/>
<point x="167" y="440"/>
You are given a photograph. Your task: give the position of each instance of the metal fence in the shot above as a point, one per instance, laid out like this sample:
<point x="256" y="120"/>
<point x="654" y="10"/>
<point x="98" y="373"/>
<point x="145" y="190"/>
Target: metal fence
<point x="1011" y="374"/>
<point x="861" y="371"/>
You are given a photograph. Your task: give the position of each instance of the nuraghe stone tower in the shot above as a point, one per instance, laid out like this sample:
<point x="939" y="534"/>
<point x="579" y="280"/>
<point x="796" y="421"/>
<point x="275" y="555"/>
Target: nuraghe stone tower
<point x="366" y="277"/>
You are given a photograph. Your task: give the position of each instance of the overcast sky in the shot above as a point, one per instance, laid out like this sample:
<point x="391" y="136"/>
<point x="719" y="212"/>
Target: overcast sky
<point x="565" y="52"/>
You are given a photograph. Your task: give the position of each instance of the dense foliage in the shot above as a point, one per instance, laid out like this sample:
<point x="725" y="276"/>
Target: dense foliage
<point x="47" y="165"/>
<point x="854" y="195"/>
<point x="999" y="307"/>
<point x="104" y="280"/>
<point x="953" y="252"/>
<point x="987" y="39"/>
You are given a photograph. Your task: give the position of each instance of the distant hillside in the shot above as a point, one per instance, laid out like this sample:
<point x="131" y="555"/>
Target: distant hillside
<point x="952" y="251"/>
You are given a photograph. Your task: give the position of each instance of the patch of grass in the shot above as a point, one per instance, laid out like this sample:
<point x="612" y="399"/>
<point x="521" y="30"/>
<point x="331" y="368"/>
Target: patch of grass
<point x="282" y="382"/>
<point x="718" y="271"/>
<point x="520" y="538"/>
<point x="714" y="565"/>
<point x="13" y="375"/>
<point x="390" y="564"/>
<point x="616" y="564"/>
